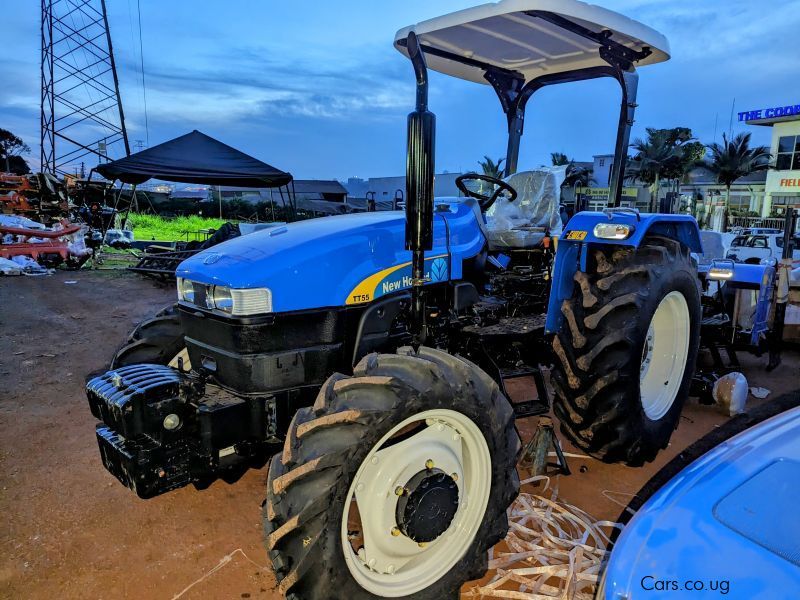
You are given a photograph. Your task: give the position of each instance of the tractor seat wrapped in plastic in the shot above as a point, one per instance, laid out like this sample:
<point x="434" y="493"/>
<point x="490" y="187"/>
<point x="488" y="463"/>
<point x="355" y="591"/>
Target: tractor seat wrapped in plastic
<point x="524" y="222"/>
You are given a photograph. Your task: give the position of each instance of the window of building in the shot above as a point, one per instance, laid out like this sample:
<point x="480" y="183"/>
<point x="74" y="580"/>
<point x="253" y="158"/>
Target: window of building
<point x="740" y="202"/>
<point x="786" y="201"/>
<point x="602" y="162"/>
<point x="788" y="153"/>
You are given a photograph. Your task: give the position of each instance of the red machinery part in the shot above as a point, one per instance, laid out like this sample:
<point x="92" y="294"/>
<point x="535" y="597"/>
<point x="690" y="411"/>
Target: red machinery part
<point x="53" y="245"/>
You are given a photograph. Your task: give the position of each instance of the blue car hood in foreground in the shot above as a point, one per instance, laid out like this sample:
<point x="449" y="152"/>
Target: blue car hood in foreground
<point x="334" y="261"/>
<point x="728" y="520"/>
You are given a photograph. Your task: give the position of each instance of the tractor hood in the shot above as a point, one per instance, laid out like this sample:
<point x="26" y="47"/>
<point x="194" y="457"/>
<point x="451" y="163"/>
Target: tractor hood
<point x="340" y="260"/>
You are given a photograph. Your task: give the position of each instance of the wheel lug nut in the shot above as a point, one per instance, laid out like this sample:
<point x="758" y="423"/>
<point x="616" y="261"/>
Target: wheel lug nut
<point x="422" y="544"/>
<point x="395" y="532"/>
<point x="454" y="476"/>
<point x="429" y="464"/>
<point x="400" y="491"/>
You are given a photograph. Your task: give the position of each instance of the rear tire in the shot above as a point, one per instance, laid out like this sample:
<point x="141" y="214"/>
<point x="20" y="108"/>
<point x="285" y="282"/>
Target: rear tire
<point x="607" y="404"/>
<point x="329" y="445"/>
<point x="155" y="341"/>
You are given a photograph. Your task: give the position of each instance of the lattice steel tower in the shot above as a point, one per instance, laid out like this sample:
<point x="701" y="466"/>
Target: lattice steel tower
<point x="81" y="118"/>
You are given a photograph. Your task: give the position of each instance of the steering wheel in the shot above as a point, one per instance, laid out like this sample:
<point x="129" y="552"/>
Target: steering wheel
<point x="485" y="201"/>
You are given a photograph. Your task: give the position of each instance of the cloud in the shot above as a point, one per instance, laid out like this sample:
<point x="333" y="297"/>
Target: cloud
<point x="256" y="81"/>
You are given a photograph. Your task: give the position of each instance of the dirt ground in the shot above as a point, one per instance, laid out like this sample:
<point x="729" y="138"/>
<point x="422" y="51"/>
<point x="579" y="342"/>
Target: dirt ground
<point x="70" y="530"/>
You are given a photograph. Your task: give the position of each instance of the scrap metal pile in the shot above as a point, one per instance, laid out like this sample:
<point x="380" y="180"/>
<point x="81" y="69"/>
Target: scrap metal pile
<point x="36" y="231"/>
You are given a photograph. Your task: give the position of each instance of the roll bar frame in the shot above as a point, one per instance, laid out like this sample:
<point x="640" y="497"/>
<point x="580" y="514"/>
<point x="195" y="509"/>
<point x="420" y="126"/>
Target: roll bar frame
<point x="514" y="91"/>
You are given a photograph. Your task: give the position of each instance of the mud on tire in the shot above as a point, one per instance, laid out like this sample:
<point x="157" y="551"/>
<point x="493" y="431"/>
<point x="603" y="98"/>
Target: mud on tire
<point x="599" y="349"/>
<point x="308" y="483"/>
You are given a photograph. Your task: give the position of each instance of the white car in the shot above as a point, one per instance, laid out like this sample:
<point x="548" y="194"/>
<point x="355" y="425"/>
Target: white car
<point x="754" y="248"/>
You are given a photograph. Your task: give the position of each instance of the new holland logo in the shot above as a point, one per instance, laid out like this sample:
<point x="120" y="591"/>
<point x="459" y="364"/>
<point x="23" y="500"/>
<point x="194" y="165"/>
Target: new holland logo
<point x="439" y="270"/>
<point x="397" y="278"/>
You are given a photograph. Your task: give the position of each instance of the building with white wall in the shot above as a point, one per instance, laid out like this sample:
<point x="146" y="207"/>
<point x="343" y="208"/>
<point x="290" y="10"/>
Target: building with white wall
<point x="782" y="186"/>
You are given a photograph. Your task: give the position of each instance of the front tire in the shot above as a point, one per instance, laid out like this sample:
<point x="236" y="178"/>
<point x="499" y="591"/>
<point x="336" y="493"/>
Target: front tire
<point x="626" y="353"/>
<point x="331" y="519"/>
<point x="158" y="340"/>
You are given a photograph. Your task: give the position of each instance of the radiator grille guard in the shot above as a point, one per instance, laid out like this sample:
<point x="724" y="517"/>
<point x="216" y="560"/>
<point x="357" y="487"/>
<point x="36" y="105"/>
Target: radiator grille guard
<point x="161" y="429"/>
<point x="135" y="447"/>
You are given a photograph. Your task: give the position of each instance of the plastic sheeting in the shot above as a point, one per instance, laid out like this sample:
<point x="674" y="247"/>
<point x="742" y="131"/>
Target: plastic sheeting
<point x="524" y="222"/>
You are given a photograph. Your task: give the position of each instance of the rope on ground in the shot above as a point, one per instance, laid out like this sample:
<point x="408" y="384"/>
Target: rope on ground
<point x="223" y="561"/>
<point x="556" y="550"/>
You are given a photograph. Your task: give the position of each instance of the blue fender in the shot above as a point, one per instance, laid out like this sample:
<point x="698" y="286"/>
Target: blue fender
<point x="578" y="235"/>
<point x="724" y="527"/>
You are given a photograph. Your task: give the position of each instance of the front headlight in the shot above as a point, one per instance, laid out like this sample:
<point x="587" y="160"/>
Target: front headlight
<point x="254" y="301"/>
<point x="222" y="299"/>
<point x="612" y="231"/>
<point x="185" y="290"/>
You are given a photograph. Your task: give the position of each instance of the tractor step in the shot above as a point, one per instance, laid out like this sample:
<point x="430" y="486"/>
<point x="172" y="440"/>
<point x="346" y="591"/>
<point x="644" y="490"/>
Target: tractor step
<point x="527" y="408"/>
<point x="510" y="326"/>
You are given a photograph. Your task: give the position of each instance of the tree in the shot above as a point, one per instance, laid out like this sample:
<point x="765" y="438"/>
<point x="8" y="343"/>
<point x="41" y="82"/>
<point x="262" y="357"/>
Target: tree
<point x="18" y="166"/>
<point x="11" y="145"/>
<point x="734" y="159"/>
<point x="559" y="159"/>
<point x="654" y="156"/>
<point x="492" y="168"/>
<point x="665" y="154"/>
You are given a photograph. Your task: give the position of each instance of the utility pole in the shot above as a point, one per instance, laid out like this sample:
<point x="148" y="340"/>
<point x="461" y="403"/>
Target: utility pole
<point x="81" y="108"/>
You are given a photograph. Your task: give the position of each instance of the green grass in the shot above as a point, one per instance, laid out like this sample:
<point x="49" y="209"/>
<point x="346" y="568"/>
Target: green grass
<point x="152" y="227"/>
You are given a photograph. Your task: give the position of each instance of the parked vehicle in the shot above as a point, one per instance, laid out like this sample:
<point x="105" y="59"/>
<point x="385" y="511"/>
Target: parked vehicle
<point x="752" y="249"/>
<point x="376" y="347"/>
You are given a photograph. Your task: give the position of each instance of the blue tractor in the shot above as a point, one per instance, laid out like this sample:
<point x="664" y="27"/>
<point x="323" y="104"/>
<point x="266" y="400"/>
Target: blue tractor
<point x="376" y="347"/>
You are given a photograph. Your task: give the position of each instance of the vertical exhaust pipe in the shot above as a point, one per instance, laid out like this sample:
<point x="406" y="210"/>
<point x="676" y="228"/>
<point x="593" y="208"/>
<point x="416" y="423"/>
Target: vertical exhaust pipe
<point x="419" y="188"/>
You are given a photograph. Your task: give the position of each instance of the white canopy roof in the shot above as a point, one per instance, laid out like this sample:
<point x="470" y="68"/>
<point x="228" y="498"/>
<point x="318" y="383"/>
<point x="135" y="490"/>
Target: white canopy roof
<point x="503" y="35"/>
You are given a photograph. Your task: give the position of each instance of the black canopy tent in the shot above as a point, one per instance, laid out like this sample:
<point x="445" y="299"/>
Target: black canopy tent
<point x="194" y="158"/>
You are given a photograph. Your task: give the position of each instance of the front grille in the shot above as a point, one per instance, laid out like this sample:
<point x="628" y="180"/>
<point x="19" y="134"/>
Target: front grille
<point x="122" y="398"/>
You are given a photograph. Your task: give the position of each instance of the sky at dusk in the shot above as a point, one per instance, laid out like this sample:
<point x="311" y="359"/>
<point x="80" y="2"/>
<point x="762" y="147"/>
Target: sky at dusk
<point x="316" y="88"/>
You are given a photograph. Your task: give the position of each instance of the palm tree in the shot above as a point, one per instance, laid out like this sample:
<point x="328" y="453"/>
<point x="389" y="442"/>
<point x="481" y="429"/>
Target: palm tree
<point x="734" y="159"/>
<point x="654" y="156"/>
<point x="492" y="168"/>
<point x="559" y="159"/>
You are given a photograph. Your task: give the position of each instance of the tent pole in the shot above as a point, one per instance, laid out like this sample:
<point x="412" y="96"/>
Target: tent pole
<point x="219" y="195"/>
<point x="130" y="205"/>
<point x="272" y="204"/>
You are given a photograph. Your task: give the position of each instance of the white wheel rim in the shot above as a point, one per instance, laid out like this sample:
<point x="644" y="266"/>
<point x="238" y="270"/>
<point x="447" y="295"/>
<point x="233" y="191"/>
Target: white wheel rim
<point x="393" y="565"/>
<point x="664" y="355"/>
